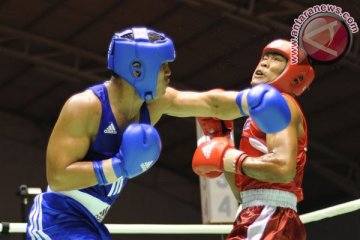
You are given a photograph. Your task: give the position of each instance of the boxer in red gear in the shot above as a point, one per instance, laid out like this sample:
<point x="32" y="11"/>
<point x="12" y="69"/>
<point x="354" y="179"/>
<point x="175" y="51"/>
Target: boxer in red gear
<point x="266" y="172"/>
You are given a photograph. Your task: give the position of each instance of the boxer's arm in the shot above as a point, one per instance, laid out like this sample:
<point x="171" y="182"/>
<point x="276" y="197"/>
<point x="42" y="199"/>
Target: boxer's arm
<point x="69" y="142"/>
<point x="279" y="165"/>
<point x="220" y="104"/>
<point x="267" y="107"/>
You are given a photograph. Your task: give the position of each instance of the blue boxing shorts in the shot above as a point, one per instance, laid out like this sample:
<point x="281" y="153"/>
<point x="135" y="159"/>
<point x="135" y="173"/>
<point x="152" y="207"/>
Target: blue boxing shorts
<point x="56" y="216"/>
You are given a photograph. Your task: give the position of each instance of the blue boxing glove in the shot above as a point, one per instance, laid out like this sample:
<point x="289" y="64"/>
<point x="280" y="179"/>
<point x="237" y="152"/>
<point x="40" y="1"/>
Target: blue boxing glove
<point x="267" y="107"/>
<point x="140" y="149"/>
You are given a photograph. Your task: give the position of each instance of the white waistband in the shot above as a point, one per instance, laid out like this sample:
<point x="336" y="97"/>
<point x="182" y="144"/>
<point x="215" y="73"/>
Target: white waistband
<point x="268" y="197"/>
<point x="94" y="205"/>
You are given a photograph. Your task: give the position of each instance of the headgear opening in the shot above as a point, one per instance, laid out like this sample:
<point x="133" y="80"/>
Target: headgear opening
<point x="136" y="55"/>
<point x="295" y="78"/>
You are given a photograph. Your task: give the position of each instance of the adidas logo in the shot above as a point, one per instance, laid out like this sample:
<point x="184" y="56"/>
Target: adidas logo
<point x="100" y="216"/>
<point x="146" y="165"/>
<point x="110" y="129"/>
<point x="207" y="150"/>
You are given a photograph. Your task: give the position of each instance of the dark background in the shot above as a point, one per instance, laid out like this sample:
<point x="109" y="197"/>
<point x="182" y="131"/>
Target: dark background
<point x="51" y="49"/>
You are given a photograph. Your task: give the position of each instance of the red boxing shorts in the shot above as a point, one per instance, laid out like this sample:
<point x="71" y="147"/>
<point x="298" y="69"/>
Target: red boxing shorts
<point x="267" y="223"/>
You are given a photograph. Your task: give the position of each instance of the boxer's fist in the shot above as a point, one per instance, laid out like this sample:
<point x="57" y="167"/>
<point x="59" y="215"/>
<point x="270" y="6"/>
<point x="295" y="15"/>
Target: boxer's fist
<point x="267" y="107"/>
<point x="208" y="157"/>
<point x="214" y="127"/>
<point x="140" y="149"/>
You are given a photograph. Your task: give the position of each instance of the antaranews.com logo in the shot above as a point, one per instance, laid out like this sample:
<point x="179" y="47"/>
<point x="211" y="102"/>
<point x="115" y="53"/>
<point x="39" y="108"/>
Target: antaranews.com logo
<point x="324" y="32"/>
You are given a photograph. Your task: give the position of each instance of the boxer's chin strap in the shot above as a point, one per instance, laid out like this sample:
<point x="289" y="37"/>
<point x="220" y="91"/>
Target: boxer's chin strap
<point x="144" y="114"/>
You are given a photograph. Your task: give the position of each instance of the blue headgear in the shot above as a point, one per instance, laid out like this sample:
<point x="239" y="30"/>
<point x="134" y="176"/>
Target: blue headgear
<point x="138" y="60"/>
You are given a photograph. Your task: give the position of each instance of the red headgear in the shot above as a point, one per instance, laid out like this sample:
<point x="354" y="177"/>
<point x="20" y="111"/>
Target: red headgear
<point x="295" y="78"/>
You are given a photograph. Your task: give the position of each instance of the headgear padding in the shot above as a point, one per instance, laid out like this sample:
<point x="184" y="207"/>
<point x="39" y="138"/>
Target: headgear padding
<point x="137" y="58"/>
<point x="295" y="78"/>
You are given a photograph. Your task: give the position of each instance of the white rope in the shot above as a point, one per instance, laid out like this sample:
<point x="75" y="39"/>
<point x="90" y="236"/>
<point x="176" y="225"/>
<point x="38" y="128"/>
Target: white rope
<point x="168" y="228"/>
<point x="203" y="228"/>
<point x="331" y="211"/>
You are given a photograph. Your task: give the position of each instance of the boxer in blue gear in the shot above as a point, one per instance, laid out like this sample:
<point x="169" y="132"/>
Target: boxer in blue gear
<point x="97" y="145"/>
<point x="104" y="136"/>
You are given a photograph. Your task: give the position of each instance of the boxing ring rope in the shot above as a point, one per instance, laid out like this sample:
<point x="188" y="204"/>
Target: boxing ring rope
<point x="197" y="228"/>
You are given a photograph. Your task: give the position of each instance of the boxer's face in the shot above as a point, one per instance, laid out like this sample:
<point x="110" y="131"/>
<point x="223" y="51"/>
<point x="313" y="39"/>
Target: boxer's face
<point x="163" y="79"/>
<point x="269" y="68"/>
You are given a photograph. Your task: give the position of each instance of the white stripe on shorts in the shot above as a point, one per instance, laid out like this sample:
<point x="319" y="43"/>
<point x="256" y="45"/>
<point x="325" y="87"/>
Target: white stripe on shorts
<point x="257" y="228"/>
<point x="36" y="228"/>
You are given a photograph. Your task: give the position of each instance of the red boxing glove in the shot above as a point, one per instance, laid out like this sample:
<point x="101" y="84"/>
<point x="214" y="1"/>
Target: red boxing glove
<point x="214" y="127"/>
<point x="208" y="157"/>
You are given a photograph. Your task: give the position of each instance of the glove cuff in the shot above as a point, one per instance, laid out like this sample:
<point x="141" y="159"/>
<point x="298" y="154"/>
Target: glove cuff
<point x="116" y="164"/>
<point x="239" y="98"/>
<point x="233" y="159"/>
<point x="238" y="162"/>
<point x="99" y="172"/>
